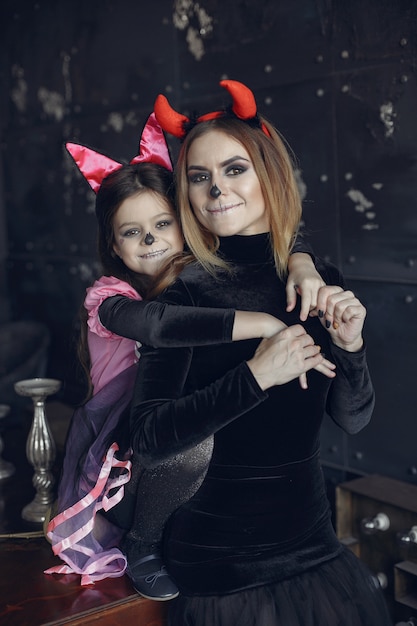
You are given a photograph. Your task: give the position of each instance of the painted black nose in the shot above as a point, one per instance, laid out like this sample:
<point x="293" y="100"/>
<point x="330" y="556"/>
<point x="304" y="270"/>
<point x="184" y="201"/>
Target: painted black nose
<point x="149" y="239"/>
<point x="215" y="192"/>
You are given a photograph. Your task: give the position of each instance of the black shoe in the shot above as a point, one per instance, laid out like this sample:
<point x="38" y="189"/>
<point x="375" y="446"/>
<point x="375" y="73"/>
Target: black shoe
<point x="150" y="578"/>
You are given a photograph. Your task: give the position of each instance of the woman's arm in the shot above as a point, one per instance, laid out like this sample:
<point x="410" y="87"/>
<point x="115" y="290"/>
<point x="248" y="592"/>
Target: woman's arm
<point x="351" y="398"/>
<point x="165" y="420"/>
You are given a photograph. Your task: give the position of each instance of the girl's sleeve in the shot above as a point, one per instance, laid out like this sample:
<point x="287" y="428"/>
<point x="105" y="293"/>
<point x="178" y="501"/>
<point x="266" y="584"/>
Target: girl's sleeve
<point x="100" y="291"/>
<point x="300" y="245"/>
<point x="164" y="325"/>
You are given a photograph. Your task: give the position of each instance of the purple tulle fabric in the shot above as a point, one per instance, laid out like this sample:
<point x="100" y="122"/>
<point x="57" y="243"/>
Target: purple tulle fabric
<point x="93" y="479"/>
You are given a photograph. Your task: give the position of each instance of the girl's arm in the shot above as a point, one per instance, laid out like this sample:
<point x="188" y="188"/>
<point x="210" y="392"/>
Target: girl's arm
<point x="167" y="326"/>
<point x="163" y="325"/>
<point x="160" y="325"/>
<point x="303" y="280"/>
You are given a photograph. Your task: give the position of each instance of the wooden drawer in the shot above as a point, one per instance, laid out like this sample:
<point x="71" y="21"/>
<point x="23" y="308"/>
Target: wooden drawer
<point x="375" y="516"/>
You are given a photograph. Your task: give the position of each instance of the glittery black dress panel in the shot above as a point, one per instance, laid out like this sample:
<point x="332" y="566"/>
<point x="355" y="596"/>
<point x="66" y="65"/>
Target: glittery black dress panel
<point x="261" y="517"/>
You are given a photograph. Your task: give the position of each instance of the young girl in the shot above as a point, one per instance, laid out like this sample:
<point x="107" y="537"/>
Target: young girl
<point x="138" y="233"/>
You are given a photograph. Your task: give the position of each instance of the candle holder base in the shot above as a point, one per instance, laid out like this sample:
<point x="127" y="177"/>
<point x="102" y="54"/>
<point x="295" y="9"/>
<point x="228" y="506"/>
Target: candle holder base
<point x="40" y="446"/>
<point x="36" y="511"/>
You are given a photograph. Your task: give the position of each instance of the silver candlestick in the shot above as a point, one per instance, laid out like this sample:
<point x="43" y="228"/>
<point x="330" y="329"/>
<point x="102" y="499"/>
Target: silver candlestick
<point x="40" y="446"/>
<point x="6" y="468"/>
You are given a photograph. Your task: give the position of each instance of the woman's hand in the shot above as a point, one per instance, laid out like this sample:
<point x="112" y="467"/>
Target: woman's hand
<point x="304" y="280"/>
<point x="249" y="325"/>
<point x="287" y="355"/>
<point x="326" y="367"/>
<point x="343" y="315"/>
<point x="272" y="326"/>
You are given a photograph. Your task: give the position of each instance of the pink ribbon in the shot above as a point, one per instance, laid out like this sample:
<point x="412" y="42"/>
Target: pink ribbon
<point x="107" y="563"/>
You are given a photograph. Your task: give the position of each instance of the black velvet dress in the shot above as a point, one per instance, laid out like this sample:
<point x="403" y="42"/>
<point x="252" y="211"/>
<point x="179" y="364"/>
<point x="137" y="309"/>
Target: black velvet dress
<point x="255" y="545"/>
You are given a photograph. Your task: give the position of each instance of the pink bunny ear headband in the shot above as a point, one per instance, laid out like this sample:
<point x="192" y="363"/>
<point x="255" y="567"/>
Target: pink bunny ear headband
<point x="95" y="166"/>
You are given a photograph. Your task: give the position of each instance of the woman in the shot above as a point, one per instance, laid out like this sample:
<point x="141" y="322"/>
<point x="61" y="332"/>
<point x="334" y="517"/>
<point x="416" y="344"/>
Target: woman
<point x="255" y="545"/>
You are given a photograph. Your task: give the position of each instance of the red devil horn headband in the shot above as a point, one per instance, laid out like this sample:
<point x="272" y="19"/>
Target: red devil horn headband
<point x="95" y="167"/>
<point x="244" y="107"/>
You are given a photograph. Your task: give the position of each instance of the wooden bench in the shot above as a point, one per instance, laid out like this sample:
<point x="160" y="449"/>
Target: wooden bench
<point x="28" y="597"/>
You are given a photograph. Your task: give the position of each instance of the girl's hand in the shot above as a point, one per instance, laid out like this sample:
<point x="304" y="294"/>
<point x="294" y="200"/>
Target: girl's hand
<point x="343" y="315"/>
<point x="304" y="280"/>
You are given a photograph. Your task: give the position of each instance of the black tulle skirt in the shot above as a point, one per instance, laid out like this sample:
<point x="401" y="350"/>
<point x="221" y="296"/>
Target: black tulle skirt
<point x="340" y="592"/>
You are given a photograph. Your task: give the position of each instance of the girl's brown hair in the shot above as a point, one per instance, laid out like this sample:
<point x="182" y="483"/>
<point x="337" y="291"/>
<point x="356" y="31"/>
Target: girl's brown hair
<point x="121" y="184"/>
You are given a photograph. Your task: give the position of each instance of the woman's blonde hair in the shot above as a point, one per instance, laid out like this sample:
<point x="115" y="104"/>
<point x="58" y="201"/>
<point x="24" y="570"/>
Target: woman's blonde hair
<point x="274" y="166"/>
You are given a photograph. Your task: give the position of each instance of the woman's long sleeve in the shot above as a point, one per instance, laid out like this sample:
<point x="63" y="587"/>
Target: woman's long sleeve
<point x="164" y="325"/>
<point x="165" y="420"/>
<point x="351" y="398"/>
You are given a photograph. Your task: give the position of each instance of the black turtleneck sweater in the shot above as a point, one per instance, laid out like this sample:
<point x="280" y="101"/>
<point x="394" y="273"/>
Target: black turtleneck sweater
<point x="261" y="513"/>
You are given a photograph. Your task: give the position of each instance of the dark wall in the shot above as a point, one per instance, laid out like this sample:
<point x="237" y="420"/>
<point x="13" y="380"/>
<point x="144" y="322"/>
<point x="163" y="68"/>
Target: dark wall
<point x="337" y="78"/>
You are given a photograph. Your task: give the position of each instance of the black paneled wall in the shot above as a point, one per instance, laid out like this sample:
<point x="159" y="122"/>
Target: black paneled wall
<point x="337" y="78"/>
